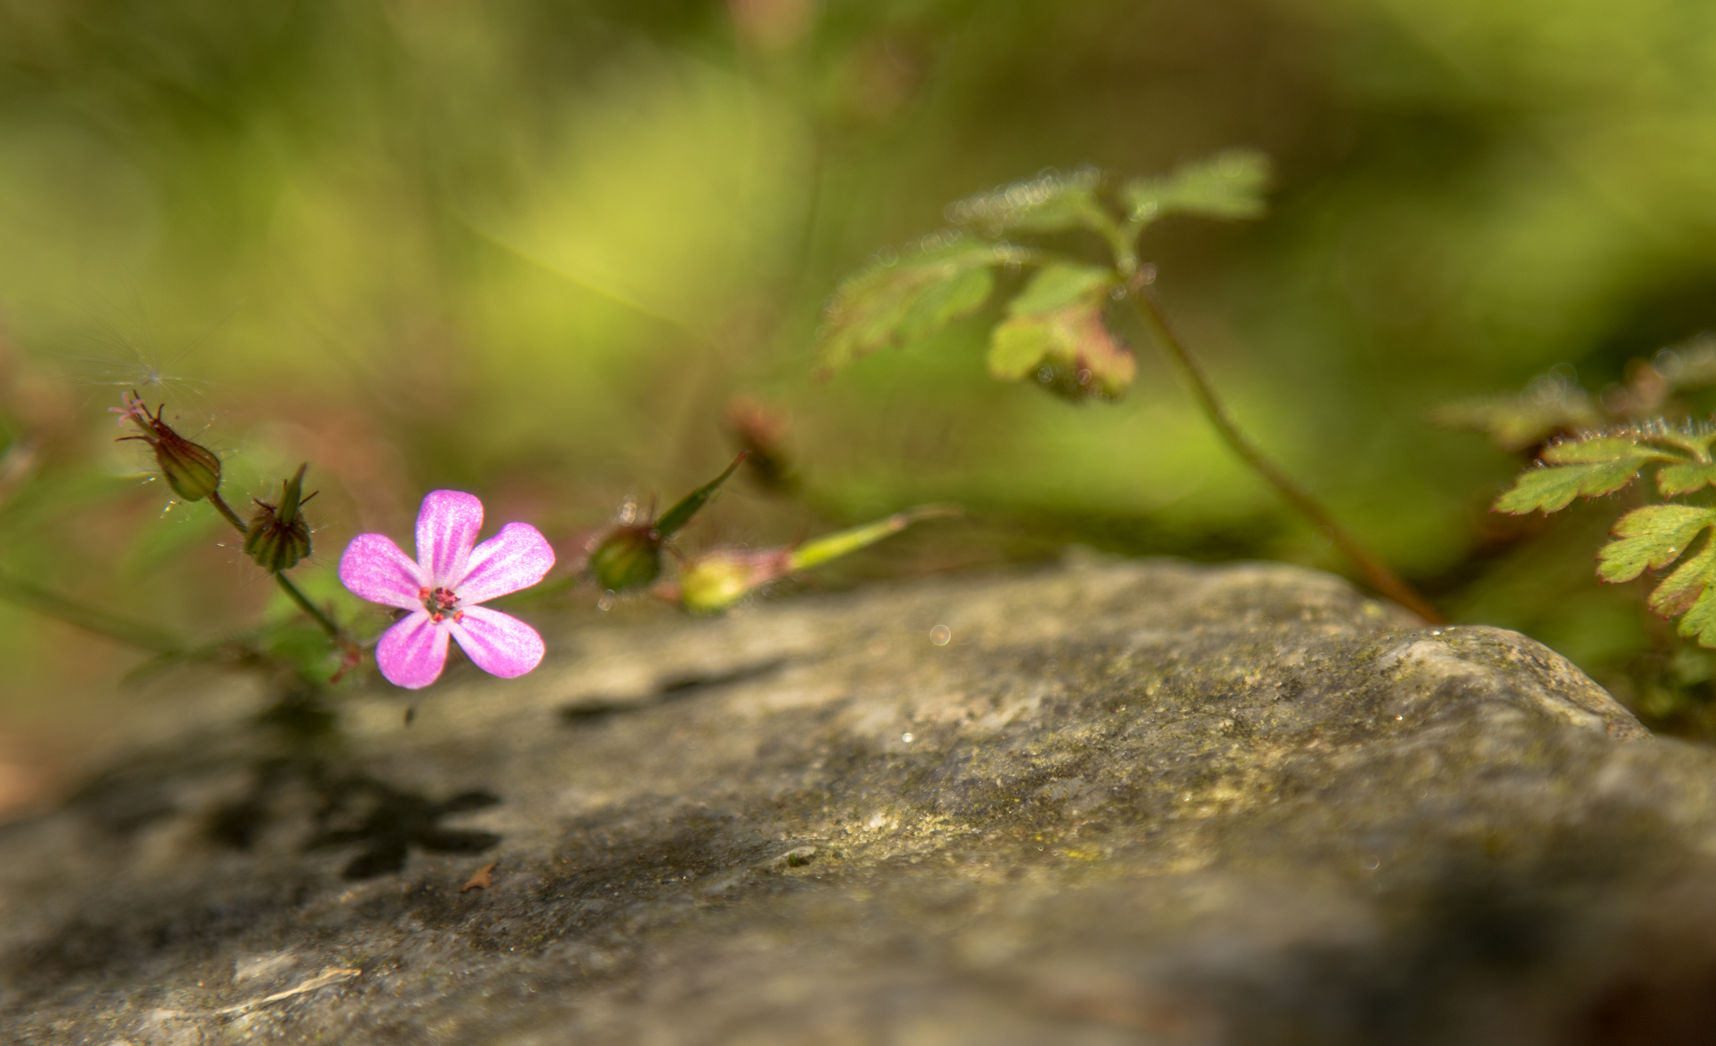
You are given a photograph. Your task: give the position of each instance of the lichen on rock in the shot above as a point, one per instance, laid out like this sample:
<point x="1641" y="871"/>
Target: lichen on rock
<point x="1099" y="803"/>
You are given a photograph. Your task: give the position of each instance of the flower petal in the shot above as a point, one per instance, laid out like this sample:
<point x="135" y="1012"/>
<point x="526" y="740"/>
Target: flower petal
<point x="499" y="643"/>
<point x="515" y="558"/>
<point x="412" y="652"/>
<point x="374" y="568"/>
<point x="447" y="526"/>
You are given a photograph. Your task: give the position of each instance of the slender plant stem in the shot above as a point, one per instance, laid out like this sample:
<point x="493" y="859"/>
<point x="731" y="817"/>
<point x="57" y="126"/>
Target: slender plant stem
<point x="286" y="585"/>
<point x="86" y="617"/>
<point x="225" y="510"/>
<point x="310" y="608"/>
<point x="1374" y="570"/>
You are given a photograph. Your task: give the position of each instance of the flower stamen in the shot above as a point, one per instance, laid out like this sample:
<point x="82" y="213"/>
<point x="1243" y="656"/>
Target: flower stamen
<point x="439" y="602"/>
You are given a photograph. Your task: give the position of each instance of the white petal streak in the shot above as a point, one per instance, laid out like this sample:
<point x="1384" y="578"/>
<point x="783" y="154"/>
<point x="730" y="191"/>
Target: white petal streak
<point x="447" y="526"/>
<point x="374" y="568"/>
<point x="515" y="558"/>
<point x="412" y="652"/>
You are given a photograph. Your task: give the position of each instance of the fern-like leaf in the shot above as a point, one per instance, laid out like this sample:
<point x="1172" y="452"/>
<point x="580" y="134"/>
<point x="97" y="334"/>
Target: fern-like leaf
<point x="894" y="302"/>
<point x="1055" y="331"/>
<point x="1587" y="467"/>
<point x="1551" y="406"/>
<point x="1650" y="538"/>
<point x="1229" y="185"/>
<point x="1687" y="592"/>
<point x="1052" y="203"/>
<point x="1685" y="478"/>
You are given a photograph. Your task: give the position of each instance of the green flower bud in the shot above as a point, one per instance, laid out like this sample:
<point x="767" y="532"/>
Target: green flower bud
<point x="278" y="536"/>
<point x="718" y="579"/>
<point x="721" y="577"/>
<point x="628" y="558"/>
<point x="192" y="470"/>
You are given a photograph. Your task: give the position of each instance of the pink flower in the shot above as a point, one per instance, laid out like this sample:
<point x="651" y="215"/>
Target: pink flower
<point x="443" y="587"/>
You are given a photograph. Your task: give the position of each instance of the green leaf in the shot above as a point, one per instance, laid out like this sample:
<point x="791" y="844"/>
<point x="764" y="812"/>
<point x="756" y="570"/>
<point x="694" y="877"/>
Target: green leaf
<point x="1650" y="538"/>
<point x="1553" y="489"/>
<point x="1599" y="450"/>
<point x="1060" y="285"/>
<point x="1055" y="330"/>
<point x="1229" y="185"/>
<point x="1052" y="203"/>
<point x="1551" y="406"/>
<point x="1579" y="468"/>
<point x="1015" y="349"/>
<point x="1687" y="591"/>
<point x="896" y="302"/>
<point x="1685" y="478"/>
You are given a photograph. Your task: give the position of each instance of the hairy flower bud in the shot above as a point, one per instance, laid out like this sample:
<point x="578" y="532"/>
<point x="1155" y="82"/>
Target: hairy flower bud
<point x="278" y="536"/>
<point x="721" y="577"/>
<point x="192" y="470"/>
<point x="628" y="558"/>
<point x="716" y="580"/>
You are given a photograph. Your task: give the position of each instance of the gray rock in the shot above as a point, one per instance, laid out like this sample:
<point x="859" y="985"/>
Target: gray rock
<point x="1122" y="803"/>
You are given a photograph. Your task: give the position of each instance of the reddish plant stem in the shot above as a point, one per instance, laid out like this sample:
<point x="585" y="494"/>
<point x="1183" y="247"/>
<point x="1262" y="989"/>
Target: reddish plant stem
<point x="1375" y="572"/>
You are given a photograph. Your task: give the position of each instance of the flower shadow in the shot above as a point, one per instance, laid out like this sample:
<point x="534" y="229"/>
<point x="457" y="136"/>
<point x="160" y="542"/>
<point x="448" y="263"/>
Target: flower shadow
<point x="387" y="822"/>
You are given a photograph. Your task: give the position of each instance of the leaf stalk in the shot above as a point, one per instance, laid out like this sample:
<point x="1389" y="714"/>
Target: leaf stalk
<point x="1374" y="571"/>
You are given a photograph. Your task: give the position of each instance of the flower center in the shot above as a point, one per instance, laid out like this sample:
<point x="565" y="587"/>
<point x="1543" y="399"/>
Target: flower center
<point x="440" y="602"/>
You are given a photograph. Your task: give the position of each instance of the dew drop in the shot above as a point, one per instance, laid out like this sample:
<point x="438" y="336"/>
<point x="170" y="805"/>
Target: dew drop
<point x="908" y="737"/>
<point x="605" y="602"/>
<point x="941" y="635"/>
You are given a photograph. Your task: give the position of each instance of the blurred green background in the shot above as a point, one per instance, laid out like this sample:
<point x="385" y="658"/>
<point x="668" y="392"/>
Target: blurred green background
<point x="535" y="249"/>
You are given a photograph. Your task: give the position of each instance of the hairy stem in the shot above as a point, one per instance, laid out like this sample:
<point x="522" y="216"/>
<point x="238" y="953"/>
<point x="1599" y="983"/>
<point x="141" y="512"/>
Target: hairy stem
<point x="86" y="617"/>
<point x="322" y="620"/>
<point x="1375" y="572"/>
<point x="226" y="511"/>
<point x="310" y="608"/>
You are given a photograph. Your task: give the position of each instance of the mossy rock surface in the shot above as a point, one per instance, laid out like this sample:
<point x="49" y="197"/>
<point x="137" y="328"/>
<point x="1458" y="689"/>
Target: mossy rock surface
<point x="1123" y="802"/>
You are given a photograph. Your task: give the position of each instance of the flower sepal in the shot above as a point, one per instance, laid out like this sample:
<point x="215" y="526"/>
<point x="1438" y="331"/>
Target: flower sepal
<point x="628" y="557"/>
<point x="721" y="577"/>
<point x="191" y="469"/>
<point x="278" y="537"/>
